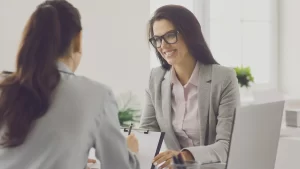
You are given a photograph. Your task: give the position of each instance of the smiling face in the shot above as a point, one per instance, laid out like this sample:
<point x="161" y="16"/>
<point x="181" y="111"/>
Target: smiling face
<point x="169" y="42"/>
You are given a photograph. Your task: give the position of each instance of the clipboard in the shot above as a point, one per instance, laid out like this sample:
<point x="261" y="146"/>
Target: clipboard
<point x="150" y="143"/>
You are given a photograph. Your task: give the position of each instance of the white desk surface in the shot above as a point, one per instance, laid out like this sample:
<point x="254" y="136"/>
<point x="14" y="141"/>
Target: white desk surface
<point x="290" y="132"/>
<point x="288" y="153"/>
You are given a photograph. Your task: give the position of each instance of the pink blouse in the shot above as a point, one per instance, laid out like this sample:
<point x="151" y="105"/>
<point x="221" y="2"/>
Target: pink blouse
<point x="185" y="120"/>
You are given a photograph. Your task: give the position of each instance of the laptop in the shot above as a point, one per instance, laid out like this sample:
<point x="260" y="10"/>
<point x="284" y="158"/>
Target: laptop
<point x="254" y="137"/>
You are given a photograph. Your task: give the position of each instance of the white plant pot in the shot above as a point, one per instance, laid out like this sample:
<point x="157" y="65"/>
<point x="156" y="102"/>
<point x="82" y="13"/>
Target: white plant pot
<point x="246" y="96"/>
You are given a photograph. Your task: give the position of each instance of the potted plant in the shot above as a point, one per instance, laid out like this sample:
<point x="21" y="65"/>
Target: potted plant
<point x="245" y="79"/>
<point x="129" y="109"/>
<point x="244" y="76"/>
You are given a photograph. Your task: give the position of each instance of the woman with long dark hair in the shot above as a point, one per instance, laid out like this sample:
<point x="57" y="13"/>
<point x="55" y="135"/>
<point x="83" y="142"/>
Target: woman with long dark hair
<point x="190" y="96"/>
<point x="49" y="117"/>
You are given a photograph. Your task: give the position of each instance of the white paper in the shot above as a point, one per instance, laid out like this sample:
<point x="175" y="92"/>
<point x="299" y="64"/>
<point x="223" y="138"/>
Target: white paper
<point x="147" y="146"/>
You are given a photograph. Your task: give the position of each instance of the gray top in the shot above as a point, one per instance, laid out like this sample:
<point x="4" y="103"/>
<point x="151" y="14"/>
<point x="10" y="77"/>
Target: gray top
<point x="83" y="115"/>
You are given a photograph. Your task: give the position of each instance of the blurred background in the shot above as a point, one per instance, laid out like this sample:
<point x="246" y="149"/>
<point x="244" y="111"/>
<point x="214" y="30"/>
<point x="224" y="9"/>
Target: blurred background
<point x="262" y="35"/>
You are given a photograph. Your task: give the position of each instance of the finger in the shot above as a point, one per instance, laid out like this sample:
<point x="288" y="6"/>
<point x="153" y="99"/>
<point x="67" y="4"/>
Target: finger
<point x="166" y="164"/>
<point x="91" y="161"/>
<point x="131" y="137"/>
<point x="158" y="156"/>
<point x="164" y="158"/>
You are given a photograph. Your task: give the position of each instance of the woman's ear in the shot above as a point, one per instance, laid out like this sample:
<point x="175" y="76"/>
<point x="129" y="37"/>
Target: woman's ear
<point x="77" y="43"/>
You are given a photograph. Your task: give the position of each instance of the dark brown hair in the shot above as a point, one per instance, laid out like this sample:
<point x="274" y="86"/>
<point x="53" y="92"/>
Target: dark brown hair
<point x="187" y="24"/>
<point x="26" y="94"/>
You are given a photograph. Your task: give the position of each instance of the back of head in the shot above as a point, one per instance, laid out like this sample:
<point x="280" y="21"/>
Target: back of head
<point x="26" y="94"/>
<point x="187" y="24"/>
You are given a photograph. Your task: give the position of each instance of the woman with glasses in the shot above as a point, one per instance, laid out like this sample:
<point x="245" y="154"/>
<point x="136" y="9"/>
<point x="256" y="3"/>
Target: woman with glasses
<point x="49" y="117"/>
<point x="190" y="96"/>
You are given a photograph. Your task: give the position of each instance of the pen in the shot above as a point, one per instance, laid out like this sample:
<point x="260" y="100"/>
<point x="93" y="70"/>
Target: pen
<point x="130" y="128"/>
<point x="180" y="160"/>
<point x="175" y="160"/>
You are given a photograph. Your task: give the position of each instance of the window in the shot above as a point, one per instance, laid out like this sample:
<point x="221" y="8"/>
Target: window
<point x="241" y="33"/>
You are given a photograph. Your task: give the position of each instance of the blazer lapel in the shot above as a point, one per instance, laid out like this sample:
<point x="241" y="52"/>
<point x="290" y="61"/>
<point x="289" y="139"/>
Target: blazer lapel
<point x="166" y="96"/>
<point x="204" y="98"/>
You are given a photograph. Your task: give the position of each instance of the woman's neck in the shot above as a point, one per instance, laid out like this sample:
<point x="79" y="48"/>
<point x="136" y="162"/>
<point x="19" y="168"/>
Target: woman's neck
<point x="184" y="70"/>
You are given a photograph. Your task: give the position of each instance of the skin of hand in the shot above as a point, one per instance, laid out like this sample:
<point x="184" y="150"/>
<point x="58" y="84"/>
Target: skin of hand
<point x="167" y="157"/>
<point x="91" y="161"/>
<point x="132" y="143"/>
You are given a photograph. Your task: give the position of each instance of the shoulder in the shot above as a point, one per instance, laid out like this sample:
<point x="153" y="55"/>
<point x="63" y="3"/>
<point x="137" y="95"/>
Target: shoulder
<point x="157" y="75"/>
<point x="223" y="73"/>
<point x="225" y="77"/>
<point x="223" y="70"/>
<point x="158" y="71"/>
<point x="86" y="85"/>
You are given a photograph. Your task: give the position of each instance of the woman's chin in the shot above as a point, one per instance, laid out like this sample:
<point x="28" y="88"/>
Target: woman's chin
<point x="171" y="62"/>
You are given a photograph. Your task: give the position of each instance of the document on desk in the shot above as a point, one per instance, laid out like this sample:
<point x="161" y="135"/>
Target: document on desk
<point x="149" y="145"/>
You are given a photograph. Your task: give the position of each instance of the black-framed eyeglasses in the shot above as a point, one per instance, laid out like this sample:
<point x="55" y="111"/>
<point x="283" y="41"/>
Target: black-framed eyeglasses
<point x="169" y="37"/>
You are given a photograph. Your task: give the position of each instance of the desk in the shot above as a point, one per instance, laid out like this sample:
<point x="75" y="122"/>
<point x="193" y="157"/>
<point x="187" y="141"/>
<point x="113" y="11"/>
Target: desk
<point x="288" y="153"/>
<point x="289" y="131"/>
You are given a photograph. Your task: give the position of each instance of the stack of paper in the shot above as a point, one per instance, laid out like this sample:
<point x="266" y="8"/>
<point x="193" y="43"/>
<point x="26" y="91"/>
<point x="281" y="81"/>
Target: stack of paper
<point x="293" y="118"/>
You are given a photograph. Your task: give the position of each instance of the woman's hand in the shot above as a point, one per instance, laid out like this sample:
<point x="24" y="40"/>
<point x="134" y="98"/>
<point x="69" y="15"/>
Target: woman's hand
<point x="187" y="155"/>
<point x="165" y="157"/>
<point x="91" y="161"/>
<point x="132" y="143"/>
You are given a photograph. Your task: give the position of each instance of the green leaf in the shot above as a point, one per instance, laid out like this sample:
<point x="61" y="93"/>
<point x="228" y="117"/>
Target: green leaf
<point x="244" y="76"/>
<point x="127" y="110"/>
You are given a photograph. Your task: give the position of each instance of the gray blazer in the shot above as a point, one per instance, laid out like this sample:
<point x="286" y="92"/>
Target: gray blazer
<point x="83" y="115"/>
<point x="218" y="97"/>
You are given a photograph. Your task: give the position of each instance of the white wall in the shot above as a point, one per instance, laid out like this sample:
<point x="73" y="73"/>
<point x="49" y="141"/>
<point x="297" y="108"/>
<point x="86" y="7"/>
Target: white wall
<point x="115" y="49"/>
<point x="289" y="46"/>
<point x="13" y="16"/>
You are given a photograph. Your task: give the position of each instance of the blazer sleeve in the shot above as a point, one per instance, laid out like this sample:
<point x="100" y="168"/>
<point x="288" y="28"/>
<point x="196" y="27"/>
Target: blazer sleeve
<point x="148" y="119"/>
<point x="110" y="144"/>
<point x="230" y="99"/>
